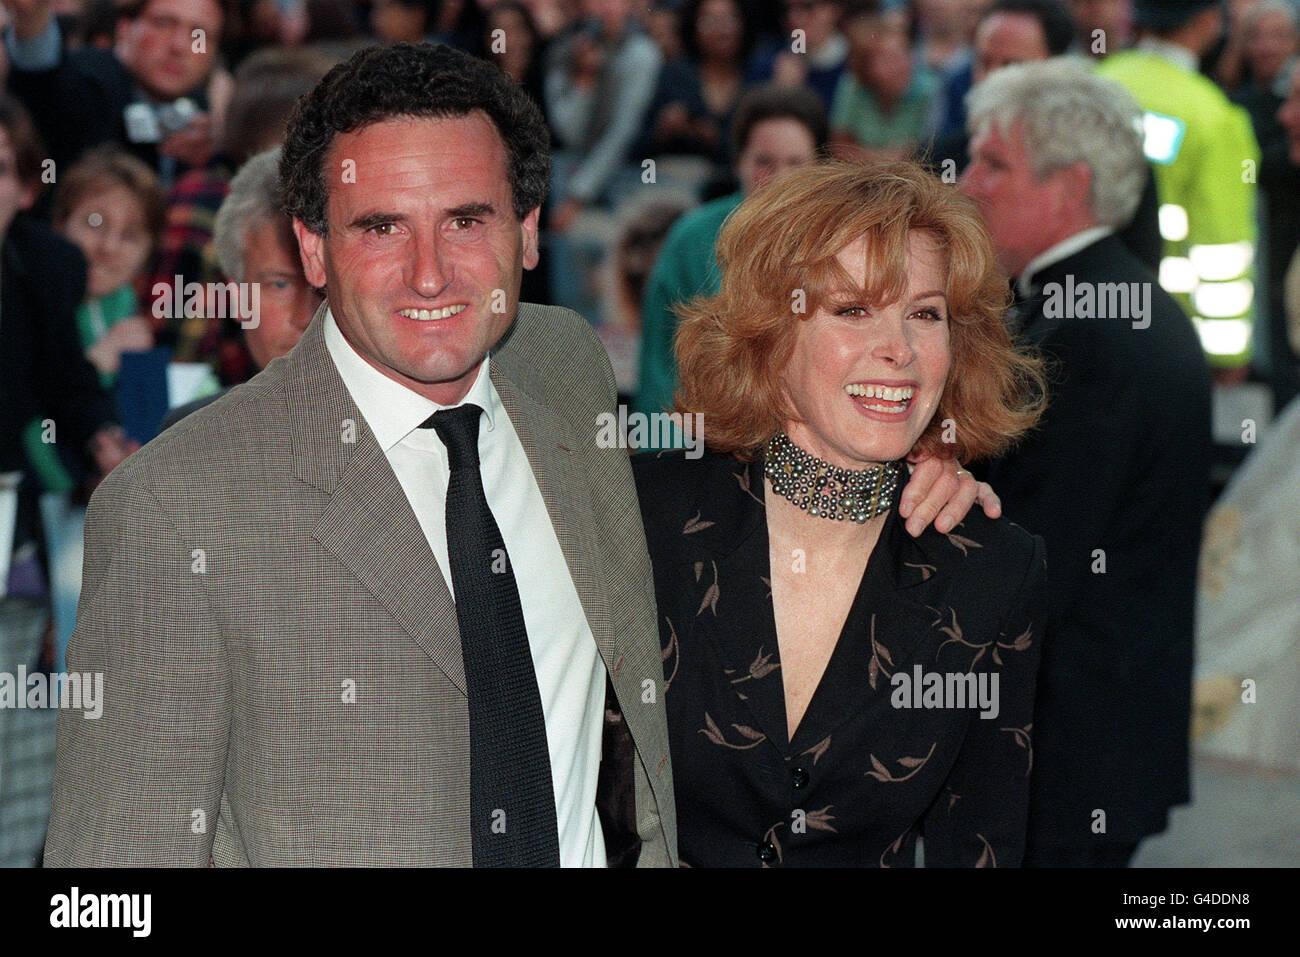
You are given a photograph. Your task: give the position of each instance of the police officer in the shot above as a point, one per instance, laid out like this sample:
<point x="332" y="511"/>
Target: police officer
<point x="1206" y="157"/>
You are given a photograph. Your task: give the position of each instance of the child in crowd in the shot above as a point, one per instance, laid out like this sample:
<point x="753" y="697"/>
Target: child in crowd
<point x="111" y="205"/>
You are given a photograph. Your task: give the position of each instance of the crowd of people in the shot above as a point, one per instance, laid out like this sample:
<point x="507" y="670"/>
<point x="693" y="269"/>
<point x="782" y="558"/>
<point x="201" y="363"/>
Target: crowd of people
<point x="194" y="90"/>
<point x="1133" y="162"/>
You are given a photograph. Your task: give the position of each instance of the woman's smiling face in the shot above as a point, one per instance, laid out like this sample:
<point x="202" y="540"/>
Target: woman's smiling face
<point x="864" y="380"/>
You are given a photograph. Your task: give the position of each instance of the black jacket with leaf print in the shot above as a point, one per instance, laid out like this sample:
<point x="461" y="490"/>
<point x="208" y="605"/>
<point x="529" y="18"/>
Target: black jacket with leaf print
<point x="871" y="767"/>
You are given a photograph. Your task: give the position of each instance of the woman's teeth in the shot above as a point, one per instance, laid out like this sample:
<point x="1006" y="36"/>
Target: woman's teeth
<point x="898" y="397"/>
<point x="428" y="315"/>
<point x="892" y="394"/>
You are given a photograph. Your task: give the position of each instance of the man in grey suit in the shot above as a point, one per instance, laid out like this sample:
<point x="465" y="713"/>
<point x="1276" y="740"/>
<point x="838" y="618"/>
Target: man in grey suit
<point x="266" y="587"/>
<point x="271" y="586"/>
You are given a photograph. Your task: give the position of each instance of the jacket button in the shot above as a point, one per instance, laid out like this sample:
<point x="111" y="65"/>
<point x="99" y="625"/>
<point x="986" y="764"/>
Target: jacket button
<point x="799" y="777"/>
<point x="767" y="852"/>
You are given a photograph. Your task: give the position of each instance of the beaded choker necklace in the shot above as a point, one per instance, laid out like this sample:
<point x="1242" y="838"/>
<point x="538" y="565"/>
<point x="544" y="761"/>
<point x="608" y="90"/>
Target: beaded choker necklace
<point x="823" y="489"/>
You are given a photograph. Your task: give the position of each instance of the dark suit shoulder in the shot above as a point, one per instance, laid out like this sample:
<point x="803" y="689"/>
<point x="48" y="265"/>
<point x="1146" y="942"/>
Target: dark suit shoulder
<point x="1159" y="346"/>
<point x="43" y="252"/>
<point x="101" y="65"/>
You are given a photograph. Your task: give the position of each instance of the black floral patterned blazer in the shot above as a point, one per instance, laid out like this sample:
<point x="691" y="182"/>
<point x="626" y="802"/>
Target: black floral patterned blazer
<point x="886" y="752"/>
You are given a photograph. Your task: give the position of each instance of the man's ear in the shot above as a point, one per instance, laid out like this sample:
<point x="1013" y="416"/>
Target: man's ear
<point x="529" y="227"/>
<point x="1076" y="185"/>
<point x="26" y="197"/>
<point x="311" y="249"/>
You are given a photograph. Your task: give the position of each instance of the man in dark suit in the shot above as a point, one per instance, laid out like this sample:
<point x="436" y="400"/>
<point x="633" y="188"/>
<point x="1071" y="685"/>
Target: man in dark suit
<point x="1116" y="478"/>
<point x="149" y="94"/>
<point x="43" y="373"/>
<point x="1030" y="31"/>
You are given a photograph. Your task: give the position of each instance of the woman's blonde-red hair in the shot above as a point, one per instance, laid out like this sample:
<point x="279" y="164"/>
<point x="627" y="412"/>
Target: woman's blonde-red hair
<point x="777" y="252"/>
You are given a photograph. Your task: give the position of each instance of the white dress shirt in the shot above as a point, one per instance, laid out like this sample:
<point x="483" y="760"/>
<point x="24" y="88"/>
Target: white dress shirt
<point x="1054" y="254"/>
<point x="570" y="674"/>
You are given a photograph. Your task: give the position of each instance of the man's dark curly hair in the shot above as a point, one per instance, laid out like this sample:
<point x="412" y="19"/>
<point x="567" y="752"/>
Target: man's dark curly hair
<point x="410" y="80"/>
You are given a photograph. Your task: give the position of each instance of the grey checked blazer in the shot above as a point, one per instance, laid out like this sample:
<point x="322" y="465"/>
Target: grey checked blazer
<point x="283" y="682"/>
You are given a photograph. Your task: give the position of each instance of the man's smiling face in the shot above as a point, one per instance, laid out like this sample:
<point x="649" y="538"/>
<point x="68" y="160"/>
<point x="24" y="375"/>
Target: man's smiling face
<point x="424" y="253"/>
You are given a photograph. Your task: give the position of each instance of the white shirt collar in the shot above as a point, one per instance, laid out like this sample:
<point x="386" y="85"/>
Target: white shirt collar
<point x="391" y="409"/>
<point x="1054" y="254"/>
<point x="1178" y="55"/>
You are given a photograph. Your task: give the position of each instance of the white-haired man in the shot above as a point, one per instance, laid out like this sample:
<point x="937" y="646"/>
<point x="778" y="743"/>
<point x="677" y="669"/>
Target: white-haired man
<point x="1116" y="477"/>
<point x="253" y="241"/>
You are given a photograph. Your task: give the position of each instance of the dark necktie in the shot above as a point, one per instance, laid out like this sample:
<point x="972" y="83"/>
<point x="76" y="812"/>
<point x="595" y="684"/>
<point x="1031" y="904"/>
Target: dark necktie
<point x="512" y="799"/>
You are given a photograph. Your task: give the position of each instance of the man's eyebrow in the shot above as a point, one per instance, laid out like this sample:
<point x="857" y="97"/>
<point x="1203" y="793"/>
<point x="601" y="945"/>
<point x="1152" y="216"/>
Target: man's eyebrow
<point x="472" y="209"/>
<point x="374" y="219"/>
<point x="475" y="209"/>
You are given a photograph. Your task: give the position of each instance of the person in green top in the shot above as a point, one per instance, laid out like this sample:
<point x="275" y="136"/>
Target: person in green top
<point x="886" y="105"/>
<point x="111" y="206"/>
<point x="776" y="129"/>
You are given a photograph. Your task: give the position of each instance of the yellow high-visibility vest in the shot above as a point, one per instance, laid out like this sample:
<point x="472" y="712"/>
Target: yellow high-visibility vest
<point x="1206" y="161"/>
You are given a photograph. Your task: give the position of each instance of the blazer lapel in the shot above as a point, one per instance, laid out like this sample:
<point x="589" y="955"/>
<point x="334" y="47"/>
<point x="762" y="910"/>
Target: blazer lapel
<point x="549" y="444"/>
<point x="885" y="625"/>
<point x="729" y="577"/>
<point x="367" y="524"/>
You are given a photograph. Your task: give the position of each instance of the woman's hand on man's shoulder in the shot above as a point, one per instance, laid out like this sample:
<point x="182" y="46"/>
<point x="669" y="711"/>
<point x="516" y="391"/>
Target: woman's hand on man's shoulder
<point x="941" y="492"/>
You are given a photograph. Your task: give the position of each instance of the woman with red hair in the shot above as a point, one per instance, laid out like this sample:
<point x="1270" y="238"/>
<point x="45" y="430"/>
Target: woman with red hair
<point x="837" y="688"/>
